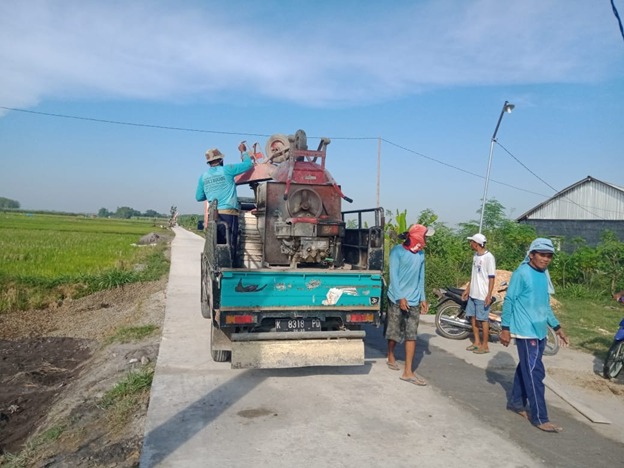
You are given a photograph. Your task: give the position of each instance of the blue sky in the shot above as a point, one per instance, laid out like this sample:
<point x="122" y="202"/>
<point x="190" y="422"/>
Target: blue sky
<point x="429" y="77"/>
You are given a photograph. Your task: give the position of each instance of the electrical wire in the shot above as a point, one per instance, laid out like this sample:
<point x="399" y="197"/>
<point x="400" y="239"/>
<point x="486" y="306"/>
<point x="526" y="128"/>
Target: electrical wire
<point x="617" y="16"/>
<point x="547" y="184"/>
<point x="133" y="124"/>
<point x="219" y="132"/>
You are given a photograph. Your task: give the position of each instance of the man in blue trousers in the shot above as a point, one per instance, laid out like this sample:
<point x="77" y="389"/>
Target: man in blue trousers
<point x="526" y="316"/>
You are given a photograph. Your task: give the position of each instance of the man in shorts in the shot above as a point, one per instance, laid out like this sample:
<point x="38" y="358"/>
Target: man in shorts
<point x="406" y="295"/>
<point x="479" y="291"/>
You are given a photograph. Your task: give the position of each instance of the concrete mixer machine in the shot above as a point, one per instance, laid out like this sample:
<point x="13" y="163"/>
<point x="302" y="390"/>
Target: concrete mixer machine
<point x="304" y="282"/>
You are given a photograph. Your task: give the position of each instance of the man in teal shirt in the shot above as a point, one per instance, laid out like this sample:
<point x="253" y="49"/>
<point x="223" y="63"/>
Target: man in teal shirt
<point x="526" y="317"/>
<point x="406" y="298"/>
<point x="218" y="183"/>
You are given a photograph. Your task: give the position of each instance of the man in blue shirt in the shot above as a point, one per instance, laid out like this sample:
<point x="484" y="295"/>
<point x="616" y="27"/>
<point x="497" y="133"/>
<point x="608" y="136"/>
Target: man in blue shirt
<point x="526" y="317"/>
<point x="407" y="300"/>
<point x="217" y="183"/>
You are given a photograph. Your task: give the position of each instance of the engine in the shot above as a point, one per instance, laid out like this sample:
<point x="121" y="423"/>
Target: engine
<point x="297" y="205"/>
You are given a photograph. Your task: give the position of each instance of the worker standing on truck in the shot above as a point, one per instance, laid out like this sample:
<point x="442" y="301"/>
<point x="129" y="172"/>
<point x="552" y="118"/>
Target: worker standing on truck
<point x="407" y="301"/>
<point x="217" y="183"/>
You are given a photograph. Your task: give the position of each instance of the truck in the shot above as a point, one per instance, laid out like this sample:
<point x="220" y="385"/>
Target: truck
<point x="307" y="277"/>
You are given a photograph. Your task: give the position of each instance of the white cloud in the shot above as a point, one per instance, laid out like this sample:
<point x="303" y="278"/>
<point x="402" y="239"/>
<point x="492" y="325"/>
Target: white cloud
<point x="313" y="53"/>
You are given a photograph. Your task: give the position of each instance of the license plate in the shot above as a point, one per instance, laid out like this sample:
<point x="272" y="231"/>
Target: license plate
<point x="297" y="324"/>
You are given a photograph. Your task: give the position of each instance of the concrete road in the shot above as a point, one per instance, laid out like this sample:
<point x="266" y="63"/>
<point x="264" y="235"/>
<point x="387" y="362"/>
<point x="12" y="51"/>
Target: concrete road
<point x="203" y="413"/>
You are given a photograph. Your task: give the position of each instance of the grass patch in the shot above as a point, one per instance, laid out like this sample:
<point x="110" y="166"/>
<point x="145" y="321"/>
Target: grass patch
<point x="129" y="334"/>
<point x="45" y="259"/>
<point x="122" y="399"/>
<point x="134" y="383"/>
<point x="590" y="323"/>
<point x="24" y="458"/>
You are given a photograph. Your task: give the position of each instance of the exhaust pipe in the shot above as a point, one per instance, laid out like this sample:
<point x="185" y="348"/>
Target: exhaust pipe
<point x="456" y="322"/>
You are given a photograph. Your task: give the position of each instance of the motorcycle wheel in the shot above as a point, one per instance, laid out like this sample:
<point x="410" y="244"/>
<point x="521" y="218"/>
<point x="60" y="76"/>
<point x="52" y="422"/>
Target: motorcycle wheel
<point x="451" y="310"/>
<point x="552" y="343"/>
<point x="615" y="360"/>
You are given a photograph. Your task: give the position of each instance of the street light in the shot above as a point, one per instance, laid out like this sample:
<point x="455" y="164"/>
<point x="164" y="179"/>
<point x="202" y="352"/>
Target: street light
<point x="507" y="107"/>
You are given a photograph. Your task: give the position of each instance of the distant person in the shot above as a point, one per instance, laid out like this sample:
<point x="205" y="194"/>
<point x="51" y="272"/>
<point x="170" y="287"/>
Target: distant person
<point x="526" y="316"/>
<point x="478" y="293"/>
<point x="407" y="300"/>
<point x="217" y="183"/>
<point x="619" y="297"/>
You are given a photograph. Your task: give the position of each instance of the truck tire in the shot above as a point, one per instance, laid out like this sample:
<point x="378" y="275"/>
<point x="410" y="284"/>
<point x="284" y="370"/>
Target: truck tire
<point x="277" y="143"/>
<point x="218" y="355"/>
<point x="206" y="288"/>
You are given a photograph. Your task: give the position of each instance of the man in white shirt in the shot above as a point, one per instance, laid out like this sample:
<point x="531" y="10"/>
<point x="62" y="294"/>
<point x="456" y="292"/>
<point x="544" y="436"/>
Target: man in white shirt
<point x="479" y="291"/>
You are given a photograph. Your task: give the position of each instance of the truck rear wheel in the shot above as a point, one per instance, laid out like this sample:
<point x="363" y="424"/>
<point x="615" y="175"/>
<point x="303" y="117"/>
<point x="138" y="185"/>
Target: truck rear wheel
<point x="218" y="355"/>
<point x="206" y="286"/>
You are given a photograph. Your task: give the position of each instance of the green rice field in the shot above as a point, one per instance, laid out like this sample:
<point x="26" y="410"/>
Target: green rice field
<point x="45" y="257"/>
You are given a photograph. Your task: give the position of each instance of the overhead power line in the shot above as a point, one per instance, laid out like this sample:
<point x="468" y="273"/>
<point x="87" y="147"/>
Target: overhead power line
<point x="547" y="184"/>
<point x="133" y="124"/>
<point x="617" y="17"/>
<point x="221" y="132"/>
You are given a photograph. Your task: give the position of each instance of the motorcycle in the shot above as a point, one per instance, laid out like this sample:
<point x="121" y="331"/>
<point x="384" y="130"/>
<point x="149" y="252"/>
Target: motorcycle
<point x="451" y="321"/>
<point x="615" y="356"/>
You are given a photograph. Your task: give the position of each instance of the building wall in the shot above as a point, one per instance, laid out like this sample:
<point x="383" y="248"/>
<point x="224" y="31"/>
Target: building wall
<point x="592" y="200"/>
<point x="590" y="230"/>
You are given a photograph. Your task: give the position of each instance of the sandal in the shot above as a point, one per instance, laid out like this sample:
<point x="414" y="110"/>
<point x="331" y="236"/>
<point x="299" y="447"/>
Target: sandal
<point x="416" y="380"/>
<point x="472" y="347"/>
<point x="393" y="365"/>
<point x="522" y="413"/>
<point x="549" y="427"/>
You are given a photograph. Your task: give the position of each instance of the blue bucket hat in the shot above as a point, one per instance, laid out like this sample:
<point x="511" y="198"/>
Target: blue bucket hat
<point x="542" y="245"/>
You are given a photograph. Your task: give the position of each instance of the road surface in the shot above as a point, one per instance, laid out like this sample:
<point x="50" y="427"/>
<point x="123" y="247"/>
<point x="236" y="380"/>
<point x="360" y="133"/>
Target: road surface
<point x="203" y="413"/>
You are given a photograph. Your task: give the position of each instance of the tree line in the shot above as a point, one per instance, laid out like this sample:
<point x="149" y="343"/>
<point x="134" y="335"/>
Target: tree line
<point x="125" y="212"/>
<point x="8" y="204"/>
<point x="588" y="272"/>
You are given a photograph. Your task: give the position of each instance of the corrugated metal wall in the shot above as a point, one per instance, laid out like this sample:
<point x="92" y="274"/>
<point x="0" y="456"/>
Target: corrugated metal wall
<point x="591" y="200"/>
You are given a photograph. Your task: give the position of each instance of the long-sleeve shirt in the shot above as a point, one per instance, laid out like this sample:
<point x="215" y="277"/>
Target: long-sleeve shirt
<point x="407" y="276"/>
<point x="218" y="183"/>
<point x="526" y="310"/>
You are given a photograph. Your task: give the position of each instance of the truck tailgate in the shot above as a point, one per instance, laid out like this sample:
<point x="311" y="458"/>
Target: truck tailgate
<point x="300" y="289"/>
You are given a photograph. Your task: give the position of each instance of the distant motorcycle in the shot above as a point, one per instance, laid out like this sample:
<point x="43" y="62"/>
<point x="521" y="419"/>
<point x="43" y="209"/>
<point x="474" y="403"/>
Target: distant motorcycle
<point x="451" y="321"/>
<point x="615" y="356"/>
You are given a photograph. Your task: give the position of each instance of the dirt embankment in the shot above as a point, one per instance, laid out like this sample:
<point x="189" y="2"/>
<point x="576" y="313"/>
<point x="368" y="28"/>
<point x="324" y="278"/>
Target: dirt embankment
<point x="55" y="367"/>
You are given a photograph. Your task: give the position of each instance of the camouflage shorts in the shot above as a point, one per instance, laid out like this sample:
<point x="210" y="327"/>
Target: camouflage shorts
<point x="401" y="325"/>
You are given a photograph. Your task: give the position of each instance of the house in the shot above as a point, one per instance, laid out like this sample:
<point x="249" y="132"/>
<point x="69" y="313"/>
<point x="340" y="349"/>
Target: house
<point x="585" y="209"/>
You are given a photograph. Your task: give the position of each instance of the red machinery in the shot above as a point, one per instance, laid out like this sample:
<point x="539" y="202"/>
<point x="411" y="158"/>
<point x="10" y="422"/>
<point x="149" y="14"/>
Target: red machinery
<point x="298" y="205"/>
<point x="304" y="282"/>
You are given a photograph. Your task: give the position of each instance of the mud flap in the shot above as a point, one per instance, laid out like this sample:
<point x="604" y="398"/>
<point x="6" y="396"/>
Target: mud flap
<point x="297" y="350"/>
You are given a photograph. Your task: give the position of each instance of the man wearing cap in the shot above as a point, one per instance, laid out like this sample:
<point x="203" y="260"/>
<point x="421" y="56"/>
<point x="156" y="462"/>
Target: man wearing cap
<point x="217" y="183"/>
<point x="526" y="316"/>
<point x="479" y="291"/>
<point x="407" y="300"/>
